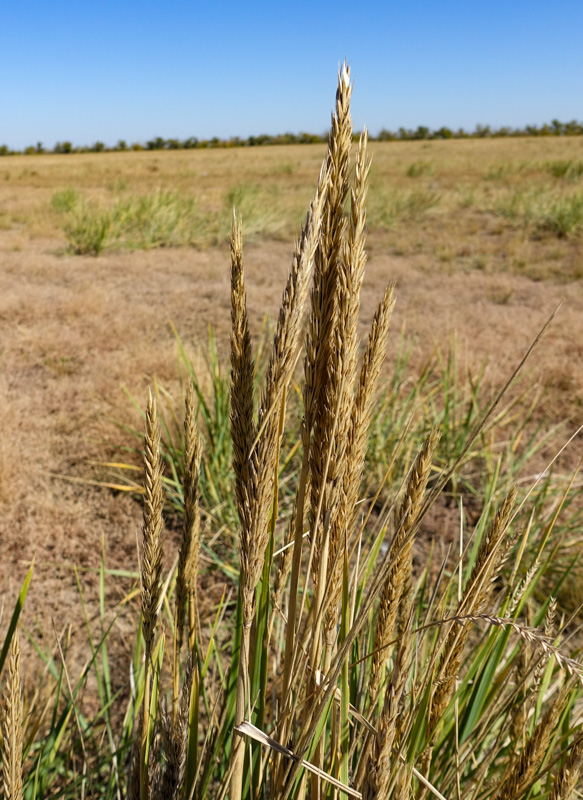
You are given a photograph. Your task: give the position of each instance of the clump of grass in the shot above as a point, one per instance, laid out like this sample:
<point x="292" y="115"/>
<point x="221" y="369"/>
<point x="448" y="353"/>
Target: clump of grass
<point x="160" y="219"/>
<point x="389" y="208"/>
<point x="567" y="169"/>
<point x="88" y="228"/>
<point x="418" y="169"/>
<point x="541" y="210"/>
<point x="337" y="666"/>
<point x="504" y="170"/>
<point x="259" y="209"/>
<point x="65" y="200"/>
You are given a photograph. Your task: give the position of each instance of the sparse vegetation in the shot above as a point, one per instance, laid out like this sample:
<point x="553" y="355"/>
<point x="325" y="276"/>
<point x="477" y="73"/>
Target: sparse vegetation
<point x="336" y="664"/>
<point x="419" y="168"/>
<point x="541" y="210"/>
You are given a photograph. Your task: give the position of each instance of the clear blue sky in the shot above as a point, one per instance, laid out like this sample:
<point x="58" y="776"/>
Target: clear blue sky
<point x="86" y="71"/>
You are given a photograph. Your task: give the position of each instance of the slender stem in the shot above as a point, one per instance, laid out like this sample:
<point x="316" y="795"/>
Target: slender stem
<point x="144" y="749"/>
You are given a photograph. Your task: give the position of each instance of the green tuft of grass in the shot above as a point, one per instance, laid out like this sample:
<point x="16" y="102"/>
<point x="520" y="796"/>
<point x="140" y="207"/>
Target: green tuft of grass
<point x="568" y="169"/>
<point x="419" y="169"/>
<point x="88" y="228"/>
<point x="162" y="218"/>
<point x="65" y="200"/>
<point x="541" y="210"/>
<point x="389" y="208"/>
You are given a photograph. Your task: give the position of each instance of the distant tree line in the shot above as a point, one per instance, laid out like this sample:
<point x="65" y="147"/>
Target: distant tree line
<point x="555" y="128"/>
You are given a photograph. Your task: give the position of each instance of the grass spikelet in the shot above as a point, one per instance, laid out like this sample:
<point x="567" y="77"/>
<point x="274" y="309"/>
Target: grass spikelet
<point x="345" y="348"/>
<point x="152" y="527"/>
<point x="380" y="763"/>
<point x="187" y="572"/>
<point x="11" y="719"/>
<point x="370" y="371"/>
<point x="527" y="764"/>
<point x="400" y="558"/>
<point x="174" y="741"/>
<point x="151" y="569"/>
<point x="567" y="778"/>
<point x="243" y="429"/>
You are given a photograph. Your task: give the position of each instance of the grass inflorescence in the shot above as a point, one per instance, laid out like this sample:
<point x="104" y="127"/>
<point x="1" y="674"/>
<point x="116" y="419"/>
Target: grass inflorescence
<point x="335" y="663"/>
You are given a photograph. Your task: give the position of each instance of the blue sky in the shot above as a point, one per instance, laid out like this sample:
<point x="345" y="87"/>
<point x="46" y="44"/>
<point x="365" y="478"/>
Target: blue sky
<point x="86" y="71"/>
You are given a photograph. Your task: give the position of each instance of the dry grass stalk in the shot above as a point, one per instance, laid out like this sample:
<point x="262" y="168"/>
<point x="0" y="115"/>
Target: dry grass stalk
<point x="330" y="354"/>
<point x="532" y="635"/>
<point x="11" y="722"/>
<point x="370" y="371"/>
<point x="475" y="595"/>
<point x="303" y="490"/>
<point x="261" y="460"/>
<point x="526" y="765"/>
<point x="380" y="760"/>
<point x="243" y="430"/>
<point x="189" y="547"/>
<point x="400" y="554"/>
<point x="567" y="777"/>
<point x="187" y="572"/>
<point x="323" y="371"/>
<point x="174" y="741"/>
<point x="151" y="568"/>
<point x="345" y="343"/>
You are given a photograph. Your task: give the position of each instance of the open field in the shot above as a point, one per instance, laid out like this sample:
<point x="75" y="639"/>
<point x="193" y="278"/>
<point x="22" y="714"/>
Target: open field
<point x="483" y="239"/>
<point x="496" y="206"/>
<point x="76" y="328"/>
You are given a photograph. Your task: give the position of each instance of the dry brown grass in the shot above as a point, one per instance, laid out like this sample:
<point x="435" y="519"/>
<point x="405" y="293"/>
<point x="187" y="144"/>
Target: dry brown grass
<point x="446" y="217"/>
<point x="74" y="329"/>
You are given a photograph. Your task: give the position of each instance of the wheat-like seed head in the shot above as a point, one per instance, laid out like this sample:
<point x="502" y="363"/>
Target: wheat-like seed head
<point x="188" y="557"/>
<point x="370" y="371"/>
<point x="261" y="463"/>
<point x="151" y="567"/>
<point x="400" y="555"/>
<point x="567" y="778"/>
<point x="380" y="766"/>
<point x="11" y="721"/>
<point x="243" y="430"/>
<point x="342" y="497"/>
<point x="334" y="185"/>
<point x="330" y="346"/>
<point x="526" y="766"/>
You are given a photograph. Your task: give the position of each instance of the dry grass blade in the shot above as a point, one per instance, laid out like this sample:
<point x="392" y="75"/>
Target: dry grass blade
<point x="11" y="720"/>
<point x="247" y="729"/>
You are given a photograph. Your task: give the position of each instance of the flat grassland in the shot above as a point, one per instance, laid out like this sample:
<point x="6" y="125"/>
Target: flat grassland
<point x="483" y="237"/>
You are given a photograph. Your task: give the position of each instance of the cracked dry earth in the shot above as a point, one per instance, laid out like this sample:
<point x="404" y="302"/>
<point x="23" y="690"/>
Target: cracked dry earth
<point x="75" y="330"/>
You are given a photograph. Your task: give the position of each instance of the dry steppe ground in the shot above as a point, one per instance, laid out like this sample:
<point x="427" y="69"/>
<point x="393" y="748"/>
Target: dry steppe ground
<point x="76" y="329"/>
